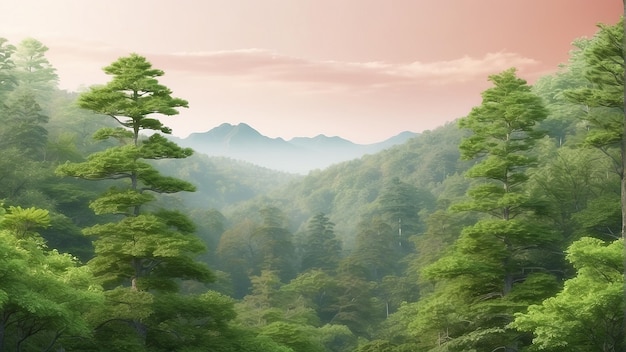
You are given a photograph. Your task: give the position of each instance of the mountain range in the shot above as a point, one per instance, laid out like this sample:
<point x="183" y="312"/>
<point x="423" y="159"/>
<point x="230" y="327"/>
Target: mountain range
<point x="298" y="155"/>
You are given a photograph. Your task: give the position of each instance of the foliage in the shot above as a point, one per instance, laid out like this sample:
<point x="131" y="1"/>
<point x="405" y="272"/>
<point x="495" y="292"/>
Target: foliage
<point x="374" y="250"/>
<point x="7" y="76"/>
<point x="587" y="314"/>
<point x="568" y="183"/>
<point x="132" y="95"/>
<point x="147" y="252"/>
<point x="22" y="222"/>
<point x="24" y="123"/>
<point x="602" y="94"/>
<point x="345" y="192"/>
<point x="318" y="290"/>
<point x="321" y="249"/>
<point x="288" y="313"/>
<point x="477" y="275"/>
<point x="44" y="295"/>
<point x="33" y="69"/>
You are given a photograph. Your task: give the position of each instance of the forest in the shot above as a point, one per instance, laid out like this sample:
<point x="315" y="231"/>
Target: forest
<point x="501" y="231"/>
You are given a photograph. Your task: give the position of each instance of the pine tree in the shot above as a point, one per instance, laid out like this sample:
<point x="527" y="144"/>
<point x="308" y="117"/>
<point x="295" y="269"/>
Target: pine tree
<point x="488" y="262"/>
<point x="144" y="250"/>
<point x="322" y="250"/>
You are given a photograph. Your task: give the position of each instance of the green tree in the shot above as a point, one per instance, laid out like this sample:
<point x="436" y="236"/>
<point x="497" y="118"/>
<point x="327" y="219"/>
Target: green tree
<point x="287" y="312"/>
<point x="570" y="181"/>
<point x="33" y="70"/>
<point x="132" y="95"/>
<point x="7" y="75"/>
<point x="210" y="225"/>
<point x="237" y="255"/>
<point x="376" y="346"/>
<point x="400" y="203"/>
<point x="321" y="249"/>
<point x="602" y="98"/>
<point x="504" y="133"/>
<point x="374" y="250"/>
<point x="336" y="338"/>
<point x="189" y="322"/>
<point x="261" y="306"/>
<point x="295" y="336"/>
<point x="600" y="62"/>
<point x="45" y="295"/>
<point x="20" y="178"/>
<point x="493" y="254"/>
<point x="145" y="249"/>
<point x="23" y="125"/>
<point x="275" y="244"/>
<point x="319" y="289"/>
<point x="586" y="314"/>
<point x="250" y="247"/>
<point x="355" y="305"/>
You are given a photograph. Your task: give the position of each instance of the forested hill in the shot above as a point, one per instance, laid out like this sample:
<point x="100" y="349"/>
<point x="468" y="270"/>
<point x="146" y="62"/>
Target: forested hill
<point x="499" y="231"/>
<point x="223" y="182"/>
<point x="349" y="190"/>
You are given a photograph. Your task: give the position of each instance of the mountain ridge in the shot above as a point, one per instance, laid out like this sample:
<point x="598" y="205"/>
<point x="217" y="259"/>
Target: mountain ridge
<point x="298" y="155"/>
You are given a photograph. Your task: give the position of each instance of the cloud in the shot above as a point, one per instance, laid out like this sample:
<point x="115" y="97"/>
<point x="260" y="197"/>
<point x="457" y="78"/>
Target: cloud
<point x="259" y="66"/>
<point x="467" y="68"/>
<point x="267" y="66"/>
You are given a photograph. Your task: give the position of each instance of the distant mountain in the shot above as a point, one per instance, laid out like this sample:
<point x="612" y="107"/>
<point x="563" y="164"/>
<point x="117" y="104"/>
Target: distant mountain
<point x="298" y="155"/>
<point x="348" y="191"/>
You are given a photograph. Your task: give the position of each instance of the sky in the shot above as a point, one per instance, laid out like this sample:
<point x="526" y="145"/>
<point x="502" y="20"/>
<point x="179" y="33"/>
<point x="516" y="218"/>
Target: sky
<point x="364" y="70"/>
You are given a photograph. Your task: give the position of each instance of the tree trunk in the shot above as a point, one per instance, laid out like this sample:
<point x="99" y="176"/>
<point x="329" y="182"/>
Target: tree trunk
<point x="1" y="336"/>
<point x="142" y="331"/>
<point x="623" y="190"/>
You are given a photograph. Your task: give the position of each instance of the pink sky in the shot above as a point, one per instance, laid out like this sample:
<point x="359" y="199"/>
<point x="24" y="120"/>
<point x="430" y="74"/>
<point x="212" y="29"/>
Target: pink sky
<point x="361" y="69"/>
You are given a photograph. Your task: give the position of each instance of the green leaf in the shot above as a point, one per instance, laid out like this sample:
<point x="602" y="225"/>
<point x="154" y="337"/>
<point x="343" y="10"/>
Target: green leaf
<point x="24" y="221"/>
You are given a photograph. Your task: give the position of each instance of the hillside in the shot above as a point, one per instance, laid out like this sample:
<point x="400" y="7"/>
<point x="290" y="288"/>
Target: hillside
<point x="222" y="182"/>
<point x="349" y="190"/>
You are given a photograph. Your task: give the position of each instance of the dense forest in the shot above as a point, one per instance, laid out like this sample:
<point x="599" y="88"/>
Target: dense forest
<point x="501" y="231"/>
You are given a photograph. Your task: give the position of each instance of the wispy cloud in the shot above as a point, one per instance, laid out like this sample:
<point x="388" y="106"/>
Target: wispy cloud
<point x="263" y="65"/>
<point x="259" y="66"/>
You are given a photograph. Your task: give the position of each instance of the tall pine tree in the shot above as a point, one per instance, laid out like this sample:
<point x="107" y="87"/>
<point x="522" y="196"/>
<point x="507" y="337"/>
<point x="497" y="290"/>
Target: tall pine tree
<point x="490" y="261"/>
<point x="144" y="250"/>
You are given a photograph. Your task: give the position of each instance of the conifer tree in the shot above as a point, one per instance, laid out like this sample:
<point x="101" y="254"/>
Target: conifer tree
<point x="24" y="125"/>
<point x="322" y="249"/>
<point x="143" y="250"/>
<point x="274" y="242"/>
<point x="33" y="71"/>
<point x="488" y="260"/>
<point x="7" y="66"/>
<point x="602" y="100"/>
<point x="503" y="133"/>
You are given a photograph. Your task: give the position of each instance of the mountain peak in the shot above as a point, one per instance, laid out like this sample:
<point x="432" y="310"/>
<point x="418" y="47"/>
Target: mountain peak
<point x="226" y="131"/>
<point x="245" y="130"/>
<point x="299" y="154"/>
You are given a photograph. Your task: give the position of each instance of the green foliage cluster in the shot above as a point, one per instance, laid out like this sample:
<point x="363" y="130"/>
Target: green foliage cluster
<point x="500" y="231"/>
